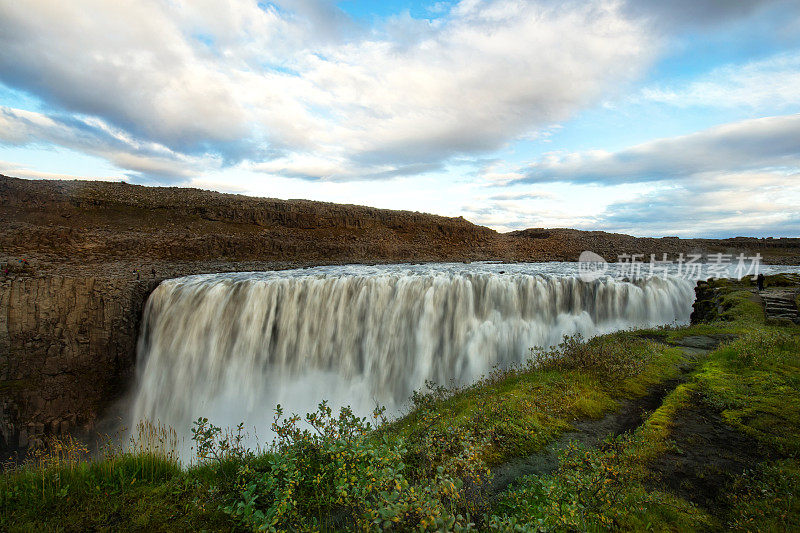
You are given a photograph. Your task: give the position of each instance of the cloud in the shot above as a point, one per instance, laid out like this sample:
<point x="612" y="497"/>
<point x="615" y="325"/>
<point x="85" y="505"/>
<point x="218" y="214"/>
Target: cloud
<point x="769" y="83"/>
<point x="21" y="171"/>
<point x="314" y="167"/>
<point x="757" y="203"/>
<point x="521" y="196"/>
<point x="495" y="71"/>
<point x="740" y="146"/>
<point x="748" y="204"/>
<point x="734" y="179"/>
<point x="693" y="13"/>
<point x="274" y="82"/>
<point x="126" y="62"/>
<point x="145" y="160"/>
<point x="505" y="217"/>
<point x="550" y="206"/>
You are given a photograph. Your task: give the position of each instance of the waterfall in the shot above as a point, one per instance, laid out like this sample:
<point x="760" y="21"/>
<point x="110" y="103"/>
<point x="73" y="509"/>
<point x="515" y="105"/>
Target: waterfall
<point x="232" y="346"/>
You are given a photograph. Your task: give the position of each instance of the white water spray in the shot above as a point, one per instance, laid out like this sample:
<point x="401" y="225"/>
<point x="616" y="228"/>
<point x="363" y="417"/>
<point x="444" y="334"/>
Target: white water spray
<point x="232" y="346"/>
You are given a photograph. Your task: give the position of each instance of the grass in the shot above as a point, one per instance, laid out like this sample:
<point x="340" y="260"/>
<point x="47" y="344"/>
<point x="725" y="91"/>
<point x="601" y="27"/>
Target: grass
<point x="748" y="389"/>
<point x="595" y="489"/>
<point x="519" y="410"/>
<point x="431" y="469"/>
<point x="137" y="487"/>
<point x="755" y="384"/>
<point x="111" y="496"/>
<point x="752" y="386"/>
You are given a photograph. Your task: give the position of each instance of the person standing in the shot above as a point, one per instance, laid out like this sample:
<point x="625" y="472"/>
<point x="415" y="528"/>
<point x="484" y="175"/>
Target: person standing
<point x="760" y="282"/>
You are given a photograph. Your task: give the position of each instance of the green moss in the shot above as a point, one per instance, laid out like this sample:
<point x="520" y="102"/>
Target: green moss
<point x="653" y="435"/>
<point x="596" y="490"/>
<point x="741" y="307"/>
<point x="755" y="383"/>
<point x="520" y="411"/>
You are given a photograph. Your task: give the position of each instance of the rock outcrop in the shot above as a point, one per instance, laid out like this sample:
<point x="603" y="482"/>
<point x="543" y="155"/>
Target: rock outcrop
<point x="81" y="222"/>
<point x="707" y="305"/>
<point x="67" y="348"/>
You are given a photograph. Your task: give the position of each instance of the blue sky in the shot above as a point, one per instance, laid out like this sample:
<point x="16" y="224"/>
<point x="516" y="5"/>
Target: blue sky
<point x="641" y="116"/>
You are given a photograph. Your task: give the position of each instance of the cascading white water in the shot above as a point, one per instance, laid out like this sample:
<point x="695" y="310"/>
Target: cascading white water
<point x="232" y="346"/>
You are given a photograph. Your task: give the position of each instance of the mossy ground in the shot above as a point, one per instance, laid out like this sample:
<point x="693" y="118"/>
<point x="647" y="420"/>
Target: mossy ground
<point x="722" y="451"/>
<point x="521" y="410"/>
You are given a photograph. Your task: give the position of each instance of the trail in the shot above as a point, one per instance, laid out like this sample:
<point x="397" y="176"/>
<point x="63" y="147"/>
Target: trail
<point x="592" y="432"/>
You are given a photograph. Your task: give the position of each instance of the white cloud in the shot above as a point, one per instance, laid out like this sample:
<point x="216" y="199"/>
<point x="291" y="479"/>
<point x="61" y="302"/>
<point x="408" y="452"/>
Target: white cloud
<point x="246" y="82"/>
<point x="769" y="83"/>
<point x="549" y="205"/>
<point x="736" y="179"/>
<point x="758" y="203"/>
<point x="8" y="168"/>
<point x="746" y="145"/>
<point x="127" y="62"/>
<point x="522" y="196"/>
<point x="92" y="136"/>
<point x="749" y="204"/>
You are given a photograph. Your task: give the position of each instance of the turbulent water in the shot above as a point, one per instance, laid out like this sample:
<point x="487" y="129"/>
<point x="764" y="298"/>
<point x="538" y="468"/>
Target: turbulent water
<point x="232" y="346"/>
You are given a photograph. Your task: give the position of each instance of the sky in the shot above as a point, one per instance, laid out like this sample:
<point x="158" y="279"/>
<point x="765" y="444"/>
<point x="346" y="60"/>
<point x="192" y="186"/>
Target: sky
<point x="644" y="117"/>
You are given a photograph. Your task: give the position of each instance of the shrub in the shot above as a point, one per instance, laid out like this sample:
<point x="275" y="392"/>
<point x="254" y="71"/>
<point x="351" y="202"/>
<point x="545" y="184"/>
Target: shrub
<point x="592" y="489"/>
<point x="759" y="347"/>
<point x="610" y="356"/>
<point x="767" y="499"/>
<point x="336" y="472"/>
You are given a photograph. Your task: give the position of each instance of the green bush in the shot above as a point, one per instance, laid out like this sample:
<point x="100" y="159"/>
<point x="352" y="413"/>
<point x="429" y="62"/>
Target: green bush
<point x="591" y="489"/>
<point x="767" y="499"/>
<point x="617" y="356"/>
<point x="603" y="489"/>
<point x="335" y="472"/>
<point x="759" y="347"/>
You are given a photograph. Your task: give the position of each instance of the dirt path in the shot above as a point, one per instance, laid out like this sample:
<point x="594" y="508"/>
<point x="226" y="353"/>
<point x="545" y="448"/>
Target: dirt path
<point x="593" y="432"/>
<point x="706" y="456"/>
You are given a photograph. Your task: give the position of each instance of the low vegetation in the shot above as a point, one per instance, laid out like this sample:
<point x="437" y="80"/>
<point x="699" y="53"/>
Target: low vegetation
<point x="717" y="448"/>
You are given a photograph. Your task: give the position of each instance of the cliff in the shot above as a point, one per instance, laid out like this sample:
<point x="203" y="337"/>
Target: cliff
<point x="71" y="224"/>
<point x="67" y="348"/>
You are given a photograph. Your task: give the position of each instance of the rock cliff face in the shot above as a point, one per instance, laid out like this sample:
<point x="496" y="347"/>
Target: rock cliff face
<point x="67" y="347"/>
<point x="71" y="299"/>
<point x="706" y="306"/>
